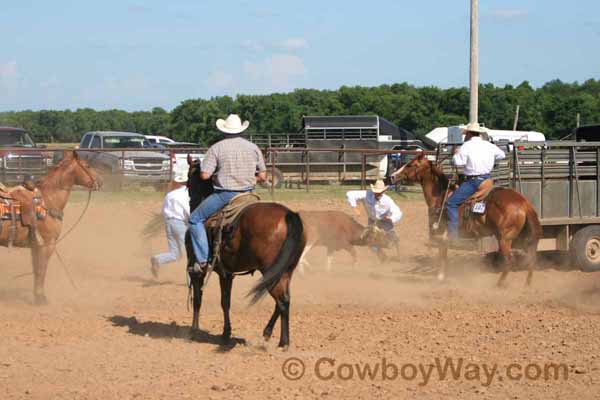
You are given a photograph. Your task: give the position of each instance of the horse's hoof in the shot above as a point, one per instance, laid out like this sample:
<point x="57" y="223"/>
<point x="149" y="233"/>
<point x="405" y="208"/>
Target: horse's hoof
<point x="283" y="347"/>
<point x="226" y="336"/>
<point x="40" y="300"/>
<point x="267" y="335"/>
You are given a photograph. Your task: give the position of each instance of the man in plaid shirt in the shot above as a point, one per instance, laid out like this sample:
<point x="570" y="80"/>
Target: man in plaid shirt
<point x="235" y="165"/>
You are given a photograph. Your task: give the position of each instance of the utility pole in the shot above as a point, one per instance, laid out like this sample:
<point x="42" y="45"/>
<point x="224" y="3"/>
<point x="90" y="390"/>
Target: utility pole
<point x="474" y="70"/>
<point x="516" y="118"/>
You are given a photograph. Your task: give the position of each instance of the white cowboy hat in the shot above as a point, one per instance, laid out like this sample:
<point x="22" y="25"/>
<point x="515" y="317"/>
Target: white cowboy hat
<point x="379" y="187"/>
<point x="232" y="125"/>
<point x="180" y="178"/>
<point x="475" y="127"/>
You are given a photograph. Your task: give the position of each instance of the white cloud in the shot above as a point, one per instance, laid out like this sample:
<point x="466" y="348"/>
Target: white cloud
<point x="220" y="80"/>
<point x="279" y="72"/>
<point x="293" y="44"/>
<point x="252" y="45"/>
<point x="508" y="14"/>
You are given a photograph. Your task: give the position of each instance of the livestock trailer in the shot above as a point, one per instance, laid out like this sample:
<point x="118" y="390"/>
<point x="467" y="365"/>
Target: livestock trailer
<point x="327" y="148"/>
<point x="561" y="179"/>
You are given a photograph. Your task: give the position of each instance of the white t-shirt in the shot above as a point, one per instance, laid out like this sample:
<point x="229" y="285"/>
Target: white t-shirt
<point x="478" y="156"/>
<point x="376" y="210"/>
<point x="177" y="204"/>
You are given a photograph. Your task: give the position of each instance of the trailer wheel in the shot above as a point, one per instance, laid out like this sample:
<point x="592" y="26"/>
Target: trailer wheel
<point x="585" y="249"/>
<point x="273" y="174"/>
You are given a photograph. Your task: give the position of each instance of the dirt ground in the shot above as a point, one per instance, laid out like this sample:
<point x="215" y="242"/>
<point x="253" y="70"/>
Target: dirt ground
<point x="121" y="335"/>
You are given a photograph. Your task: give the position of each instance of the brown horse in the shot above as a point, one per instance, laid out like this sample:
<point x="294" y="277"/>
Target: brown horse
<point x="55" y="189"/>
<point x="267" y="237"/>
<point x="508" y="216"/>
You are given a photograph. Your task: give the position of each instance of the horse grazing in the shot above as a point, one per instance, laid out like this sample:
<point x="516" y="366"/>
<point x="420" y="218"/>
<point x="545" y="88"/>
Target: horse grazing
<point x="508" y="216"/>
<point x="41" y="220"/>
<point x="267" y="237"/>
<point x="336" y="230"/>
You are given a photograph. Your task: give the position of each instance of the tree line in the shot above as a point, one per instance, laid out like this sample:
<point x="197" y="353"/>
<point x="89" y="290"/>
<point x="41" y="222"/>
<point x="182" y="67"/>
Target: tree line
<point x="550" y="109"/>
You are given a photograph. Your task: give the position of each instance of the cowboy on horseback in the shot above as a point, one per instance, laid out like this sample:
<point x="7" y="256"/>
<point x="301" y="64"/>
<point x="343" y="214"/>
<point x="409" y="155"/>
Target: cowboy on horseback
<point x="382" y="212"/>
<point x="235" y="166"/>
<point x="477" y="156"/>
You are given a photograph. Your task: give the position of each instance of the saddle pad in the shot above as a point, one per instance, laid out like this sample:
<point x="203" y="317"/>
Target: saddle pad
<point x="235" y="206"/>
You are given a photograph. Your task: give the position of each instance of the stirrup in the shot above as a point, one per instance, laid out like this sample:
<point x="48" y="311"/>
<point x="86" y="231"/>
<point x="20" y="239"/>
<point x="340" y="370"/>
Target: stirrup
<point x="198" y="268"/>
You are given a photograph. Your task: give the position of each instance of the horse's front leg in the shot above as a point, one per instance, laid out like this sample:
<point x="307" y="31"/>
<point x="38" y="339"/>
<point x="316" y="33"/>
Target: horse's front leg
<point x="196" y="280"/>
<point x="40" y="255"/>
<point x="226" y="281"/>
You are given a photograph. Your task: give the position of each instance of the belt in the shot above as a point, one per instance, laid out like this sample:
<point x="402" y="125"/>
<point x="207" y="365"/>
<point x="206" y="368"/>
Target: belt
<point x="484" y="176"/>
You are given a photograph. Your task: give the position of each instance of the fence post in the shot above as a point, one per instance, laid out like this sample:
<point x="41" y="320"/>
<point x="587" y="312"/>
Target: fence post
<point x="363" y="171"/>
<point x="307" y="170"/>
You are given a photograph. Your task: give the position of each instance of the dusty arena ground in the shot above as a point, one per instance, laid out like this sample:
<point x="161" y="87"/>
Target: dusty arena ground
<point x="377" y="331"/>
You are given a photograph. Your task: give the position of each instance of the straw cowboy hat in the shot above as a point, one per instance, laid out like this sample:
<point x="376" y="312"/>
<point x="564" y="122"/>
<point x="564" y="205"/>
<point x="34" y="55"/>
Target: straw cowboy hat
<point x="475" y="127"/>
<point x="180" y="178"/>
<point x="379" y="187"/>
<point x="232" y="125"/>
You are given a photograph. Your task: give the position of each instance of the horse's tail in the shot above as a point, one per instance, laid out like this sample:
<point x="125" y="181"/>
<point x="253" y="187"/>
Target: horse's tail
<point x="286" y="259"/>
<point x="532" y="229"/>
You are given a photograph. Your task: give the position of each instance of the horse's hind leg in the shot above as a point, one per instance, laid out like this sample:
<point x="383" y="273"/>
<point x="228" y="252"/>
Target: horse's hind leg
<point x="531" y="256"/>
<point x="506" y="251"/>
<point x="281" y="294"/>
<point x="226" y="281"/>
<point x="268" y="331"/>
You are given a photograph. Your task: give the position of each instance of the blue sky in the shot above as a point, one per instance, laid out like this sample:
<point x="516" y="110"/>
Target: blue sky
<point x="135" y="55"/>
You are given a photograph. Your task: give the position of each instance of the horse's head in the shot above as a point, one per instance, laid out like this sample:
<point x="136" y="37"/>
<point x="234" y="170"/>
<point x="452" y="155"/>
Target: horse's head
<point x="413" y="171"/>
<point x="198" y="188"/>
<point x="75" y="171"/>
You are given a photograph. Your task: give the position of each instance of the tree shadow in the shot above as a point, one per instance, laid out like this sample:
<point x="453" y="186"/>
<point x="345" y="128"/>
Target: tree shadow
<point x="160" y="330"/>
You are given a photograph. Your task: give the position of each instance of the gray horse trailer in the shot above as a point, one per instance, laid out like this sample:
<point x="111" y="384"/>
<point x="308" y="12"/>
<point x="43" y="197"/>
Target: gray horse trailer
<point x="561" y="179"/>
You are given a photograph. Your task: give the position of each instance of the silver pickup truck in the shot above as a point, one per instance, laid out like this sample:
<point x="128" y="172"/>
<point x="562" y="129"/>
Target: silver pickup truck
<point x="131" y="165"/>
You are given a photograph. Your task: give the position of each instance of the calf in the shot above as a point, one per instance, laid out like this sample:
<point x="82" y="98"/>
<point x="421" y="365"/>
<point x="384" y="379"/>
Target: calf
<point x="335" y="230"/>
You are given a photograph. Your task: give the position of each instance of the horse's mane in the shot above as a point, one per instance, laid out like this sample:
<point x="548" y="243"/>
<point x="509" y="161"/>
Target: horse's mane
<point x="440" y="180"/>
<point x="52" y="179"/>
<point x="198" y="189"/>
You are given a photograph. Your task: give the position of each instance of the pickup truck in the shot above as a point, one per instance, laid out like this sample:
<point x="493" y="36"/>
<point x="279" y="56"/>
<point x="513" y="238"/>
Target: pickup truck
<point x="16" y="165"/>
<point x="126" y="166"/>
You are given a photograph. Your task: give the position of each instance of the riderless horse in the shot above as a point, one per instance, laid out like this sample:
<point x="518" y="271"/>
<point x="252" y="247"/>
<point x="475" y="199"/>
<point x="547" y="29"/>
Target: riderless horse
<point x="34" y="217"/>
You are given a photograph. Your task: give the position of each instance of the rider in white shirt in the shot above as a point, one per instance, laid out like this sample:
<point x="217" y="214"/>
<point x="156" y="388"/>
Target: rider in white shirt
<point x="176" y="212"/>
<point x="477" y="156"/>
<point x="381" y="209"/>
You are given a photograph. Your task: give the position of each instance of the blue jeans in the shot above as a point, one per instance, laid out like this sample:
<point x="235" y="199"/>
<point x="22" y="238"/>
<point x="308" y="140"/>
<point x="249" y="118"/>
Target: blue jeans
<point x="211" y="205"/>
<point x="466" y="190"/>
<point x="175" y="229"/>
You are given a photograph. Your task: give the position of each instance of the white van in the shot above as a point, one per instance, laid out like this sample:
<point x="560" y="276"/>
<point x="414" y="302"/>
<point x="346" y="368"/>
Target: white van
<point x="440" y="135"/>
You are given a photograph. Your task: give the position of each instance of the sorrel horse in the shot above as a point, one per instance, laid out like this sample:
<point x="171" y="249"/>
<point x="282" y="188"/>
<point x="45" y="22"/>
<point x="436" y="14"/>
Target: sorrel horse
<point x="508" y="216"/>
<point x="55" y="189"/>
<point x="267" y="237"/>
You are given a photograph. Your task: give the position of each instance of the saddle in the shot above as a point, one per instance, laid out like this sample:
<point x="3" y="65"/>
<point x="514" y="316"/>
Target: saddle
<point x="223" y="223"/>
<point x="20" y="204"/>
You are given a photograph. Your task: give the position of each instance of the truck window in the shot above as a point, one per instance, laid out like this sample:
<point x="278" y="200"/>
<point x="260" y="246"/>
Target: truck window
<point x="85" y="142"/>
<point x="95" y="142"/>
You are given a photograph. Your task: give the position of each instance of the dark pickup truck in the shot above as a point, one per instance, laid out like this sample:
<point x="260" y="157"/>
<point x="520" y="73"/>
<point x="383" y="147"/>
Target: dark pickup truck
<point x="27" y="161"/>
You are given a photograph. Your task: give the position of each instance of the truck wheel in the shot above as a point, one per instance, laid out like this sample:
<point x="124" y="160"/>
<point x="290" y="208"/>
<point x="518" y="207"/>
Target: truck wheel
<point x="273" y="174"/>
<point x="585" y="249"/>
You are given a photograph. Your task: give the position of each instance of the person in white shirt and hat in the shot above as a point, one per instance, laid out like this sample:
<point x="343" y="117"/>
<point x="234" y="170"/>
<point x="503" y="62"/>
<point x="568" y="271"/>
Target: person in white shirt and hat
<point x="381" y="210"/>
<point x="477" y="156"/>
<point x="176" y="212"/>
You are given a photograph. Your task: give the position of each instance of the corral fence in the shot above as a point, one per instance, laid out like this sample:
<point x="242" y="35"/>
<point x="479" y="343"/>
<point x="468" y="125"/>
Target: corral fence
<point x="286" y="166"/>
